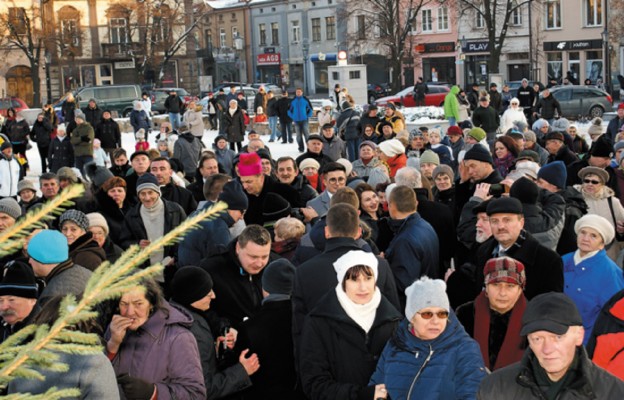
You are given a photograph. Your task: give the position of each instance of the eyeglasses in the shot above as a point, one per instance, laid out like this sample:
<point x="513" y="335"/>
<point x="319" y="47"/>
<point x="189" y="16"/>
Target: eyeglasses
<point x="429" y="314"/>
<point x="591" y="181"/>
<point x="337" y="180"/>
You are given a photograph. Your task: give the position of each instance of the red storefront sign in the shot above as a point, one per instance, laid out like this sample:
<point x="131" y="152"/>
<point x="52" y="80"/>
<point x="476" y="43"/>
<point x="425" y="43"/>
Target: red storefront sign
<point x="269" y="59"/>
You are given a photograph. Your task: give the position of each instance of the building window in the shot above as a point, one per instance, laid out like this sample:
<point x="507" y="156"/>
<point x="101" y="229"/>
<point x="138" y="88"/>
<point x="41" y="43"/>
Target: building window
<point x="263" y="36"/>
<point x="480" y="19"/>
<point x="70" y="33"/>
<point x="296" y="31"/>
<point x="208" y="33"/>
<point x="516" y="17"/>
<point x="427" y="21"/>
<point x="222" y="38"/>
<point x="316" y="29"/>
<point x="330" y="28"/>
<point x="274" y="33"/>
<point x="354" y="75"/>
<point x="118" y="30"/>
<point x="443" y="19"/>
<point x="360" y="23"/>
<point x="234" y="35"/>
<point x="593" y="12"/>
<point x="553" y="14"/>
<point x="17" y="19"/>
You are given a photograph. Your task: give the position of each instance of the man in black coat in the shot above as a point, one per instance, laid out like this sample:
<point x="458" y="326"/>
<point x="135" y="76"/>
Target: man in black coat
<point x="161" y="169"/>
<point x="544" y="268"/>
<point x="314" y="151"/>
<point x="93" y="113"/>
<point x="547" y="107"/>
<point x="282" y="106"/>
<point x="315" y="277"/>
<point x="107" y="130"/>
<point x="558" y="150"/>
<point x="496" y="100"/>
<point x="237" y="274"/>
<point x="486" y="118"/>
<point x="288" y="174"/>
<point x="526" y="95"/>
<point x="475" y="169"/>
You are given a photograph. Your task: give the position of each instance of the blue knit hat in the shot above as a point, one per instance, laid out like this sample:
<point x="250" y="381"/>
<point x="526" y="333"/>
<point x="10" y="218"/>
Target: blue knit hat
<point x="147" y="181"/>
<point x="48" y="247"/>
<point x="554" y="173"/>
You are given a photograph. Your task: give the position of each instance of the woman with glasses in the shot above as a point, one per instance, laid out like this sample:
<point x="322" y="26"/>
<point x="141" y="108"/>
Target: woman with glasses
<point x="601" y="200"/>
<point x="430" y="356"/>
<point x="344" y="335"/>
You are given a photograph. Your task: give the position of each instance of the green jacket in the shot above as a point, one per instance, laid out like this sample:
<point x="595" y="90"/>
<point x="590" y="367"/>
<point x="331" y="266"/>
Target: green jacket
<point x="82" y="138"/>
<point x="451" y="104"/>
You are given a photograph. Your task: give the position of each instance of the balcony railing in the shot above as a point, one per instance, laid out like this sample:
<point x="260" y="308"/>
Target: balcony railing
<point x="116" y="51"/>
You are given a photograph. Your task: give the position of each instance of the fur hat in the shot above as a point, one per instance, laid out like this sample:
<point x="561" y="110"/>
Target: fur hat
<point x="249" y="164"/>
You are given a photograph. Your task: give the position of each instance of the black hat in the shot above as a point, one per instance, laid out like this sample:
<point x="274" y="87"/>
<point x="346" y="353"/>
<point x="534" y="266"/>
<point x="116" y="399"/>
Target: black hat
<point x="524" y="190"/>
<point x="481" y="208"/>
<point x="602" y="147"/>
<point x="483" y="98"/>
<point x="552" y="312"/>
<point x="275" y="207"/>
<point x="252" y="132"/>
<point x="493" y="84"/>
<point x="382" y="124"/>
<point x="219" y="137"/>
<point x="264" y="153"/>
<point x="278" y="277"/>
<point x="478" y="153"/>
<point x="97" y="174"/>
<point x="554" y="136"/>
<point x="139" y="153"/>
<point x="345" y="105"/>
<point x="19" y="280"/>
<point x="372" y="107"/>
<point x="190" y="284"/>
<point x="328" y="126"/>
<point x="234" y="195"/>
<point x="504" y="205"/>
<point x="314" y="136"/>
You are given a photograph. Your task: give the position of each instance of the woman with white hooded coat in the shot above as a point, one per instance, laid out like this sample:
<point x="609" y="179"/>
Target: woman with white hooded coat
<point x="513" y="114"/>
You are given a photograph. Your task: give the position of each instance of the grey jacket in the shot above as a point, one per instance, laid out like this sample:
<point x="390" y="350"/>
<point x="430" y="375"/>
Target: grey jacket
<point x="65" y="278"/>
<point x="188" y="149"/>
<point x="320" y="204"/>
<point x="334" y="148"/>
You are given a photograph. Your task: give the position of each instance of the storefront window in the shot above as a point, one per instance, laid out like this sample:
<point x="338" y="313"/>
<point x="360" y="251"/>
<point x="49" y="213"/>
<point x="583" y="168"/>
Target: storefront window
<point x="574" y="64"/>
<point x="476" y="70"/>
<point x="593" y="66"/>
<point x="555" y="66"/>
<point x="439" y="69"/>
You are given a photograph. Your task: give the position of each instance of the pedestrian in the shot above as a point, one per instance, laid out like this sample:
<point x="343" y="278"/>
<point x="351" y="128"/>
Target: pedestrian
<point x="69" y="107"/>
<point x="283" y="105"/>
<point x="61" y="151"/>
<point x="93" y="113"/>
<point x="82" y="139"/>
<point x="420" y="91"/>
<point x="139" y="119"/>
<point x="347" y="129"/>
<point x="41" y="133"/>
<point x="108" y="132"/>
<point x="234" y="126"/>
<point x="451" y="106"/>
<point x="174" y="106"/>
<point x="194" y="119"/>
<point x="300" y="111"/>
<point x="100" y="157"/>
<point x="11" y="171"/>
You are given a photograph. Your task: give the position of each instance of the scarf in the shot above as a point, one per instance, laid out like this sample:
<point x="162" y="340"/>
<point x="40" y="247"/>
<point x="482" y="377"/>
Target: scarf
<point x="232" y="111"/>
<point x="503" y="165"/>
<point x="154" y="222"/>
<point x="578" y="258"/>
<point x="361" y="314"/>
<point x="511" y="350"/>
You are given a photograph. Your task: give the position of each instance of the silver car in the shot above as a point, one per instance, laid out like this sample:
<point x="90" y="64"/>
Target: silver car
<point x="580" y="101"/>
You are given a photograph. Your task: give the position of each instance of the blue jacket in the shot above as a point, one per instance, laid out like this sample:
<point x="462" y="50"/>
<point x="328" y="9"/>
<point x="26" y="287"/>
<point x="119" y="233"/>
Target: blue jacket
<point x="211" y="238"/>
<point x="300" y="109"/>
<point x="138" y="120"/>
<point x="445" y="368"/>
<point x="591" y="284"/>
<point x="413" y="252"/>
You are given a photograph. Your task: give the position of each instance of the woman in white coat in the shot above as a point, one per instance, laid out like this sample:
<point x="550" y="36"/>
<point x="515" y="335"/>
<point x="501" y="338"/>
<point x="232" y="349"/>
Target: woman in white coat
<point x="512" y="115"/>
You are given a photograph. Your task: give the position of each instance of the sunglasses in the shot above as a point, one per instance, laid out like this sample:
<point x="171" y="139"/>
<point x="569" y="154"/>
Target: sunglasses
<point x="429" y="314"/>
<point x="591" y="181"/>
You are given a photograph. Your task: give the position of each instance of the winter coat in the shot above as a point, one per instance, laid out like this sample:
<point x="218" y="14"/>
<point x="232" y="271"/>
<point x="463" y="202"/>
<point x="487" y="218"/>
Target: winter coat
<point x="451" y="104"/>
<point x="303" y="187"/>
<point x="92" y="374"/>
<point x="348" y="122"/>
<point x="545" y="220"/>
<point x="239" y="294"/>
<point x="60" y="154"/>
<point x="271" y="107"/>
<point x="486" y="118"/>
<point x="518" y="381"/>
<point x="337" y="356"/>
<point x="282" y="107"/>
<point x="575" y="208"/>
<point x="413" y="252"/>
<point x="591" y="283"/>
<point x="68" y="110"/>
<point x="188" y="150"/>
<point x="195" y="120"/>
<point x="614" y="128"/>
<point x="40" y="133"/>
<point x="366" y="119"/>
<point x="113" y="252"/>
<point x="564" y="154"/>
<point x="510" y="117"/>
<point x="11" y="172"/>
<point x="66" y="278"/>
<point x="92" y="115"/>
<point x="465" y="190"/>
<point x="260" y="100"/>
<point x="174" y="104"/>
<point x="599" y="205"/>
<point x="109" y="134"/>
<point x="447" y="367"/>
<point x="256" y="206"/>
<point x="321" y="158"/>
<point x="86" y="252"/>
<point x="316" y="277"/>
<point x="164" y="352"/>
<point x="334" y="148"/>
<point x="140" y="120"/>
<point x="548" y="107"/>
<point x="300" y="109"/>
<point x="18" y="132"/>
<point x="495" y="100"/>
<point x="606" y="343"/>
<point x="210" y="239"/>
<point x="234" y="125"/>
<point x="277" y="377"/>
<point x="225" y="158"/>
<point x="218" y="383"/>
<point x="113" y="214"/>
<point x="82" y="140"/>
<point x="397" y="122"/>
<point x="526" y="96"/>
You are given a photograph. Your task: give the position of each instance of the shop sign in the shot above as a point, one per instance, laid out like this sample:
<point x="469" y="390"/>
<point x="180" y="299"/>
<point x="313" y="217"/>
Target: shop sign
<point x="476" y="47"/>
<point x="573" y="45"/>
<point x="444" y="47"/>
<point x="124" y="64"/>
<point x="269" y="59"/>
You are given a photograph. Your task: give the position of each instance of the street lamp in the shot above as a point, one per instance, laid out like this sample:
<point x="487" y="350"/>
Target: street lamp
<point x="356" y="52"/>
<point x="238" y="45"/>
<point x="48" y="60"/>
<point x="607" y="60"/>
<point x="462" y="45"/>
<point x="305" y="50"/>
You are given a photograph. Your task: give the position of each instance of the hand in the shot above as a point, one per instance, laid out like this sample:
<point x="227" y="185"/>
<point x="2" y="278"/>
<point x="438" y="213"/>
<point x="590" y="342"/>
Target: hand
<point x="309" y="213"/>
<point x="118" y="327"/>
<point x="380" y="392"/>
<point x="463" y="172"/>
<point x="144" y="243"/>
<point x="483" y="191"/>
<point x="251" y="364"/>
<point x="620" y="227"/>
<point x="229" y="338"/>
<point x="136" y="388"/>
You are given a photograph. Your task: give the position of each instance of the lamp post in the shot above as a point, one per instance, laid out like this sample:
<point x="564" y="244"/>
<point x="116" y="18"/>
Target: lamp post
<point x="462" y="45"/>
<point x="607" y="60"/>
<point x="356" y="51"/>
<point x="48" y="60"/>
<point x="305" y="50"/>
<point x="238" y="45"/>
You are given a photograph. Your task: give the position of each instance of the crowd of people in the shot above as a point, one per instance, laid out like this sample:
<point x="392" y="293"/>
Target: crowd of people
<point x="472" y="262"/>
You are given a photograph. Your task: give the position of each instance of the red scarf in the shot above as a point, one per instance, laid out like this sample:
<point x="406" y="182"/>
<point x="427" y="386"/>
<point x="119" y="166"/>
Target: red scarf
<point x="511" y="351"/>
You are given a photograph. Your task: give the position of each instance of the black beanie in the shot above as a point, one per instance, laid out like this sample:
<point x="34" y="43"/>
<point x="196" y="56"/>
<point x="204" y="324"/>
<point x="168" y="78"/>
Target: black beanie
<point x="190" y="284"/>
<point x="19" y="280"/>
<point x="524" y="190"/>
<point x="602" y="147"/>
<point x="479" y="153"/>
<point x="278" y="277"/>
<point x="275" y="207"/>
<point x="234" y="195"/>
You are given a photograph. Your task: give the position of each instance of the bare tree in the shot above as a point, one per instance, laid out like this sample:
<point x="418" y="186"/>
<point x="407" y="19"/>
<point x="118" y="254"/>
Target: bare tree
<point x="388" y="24"/>
<point x="496" y="16"/>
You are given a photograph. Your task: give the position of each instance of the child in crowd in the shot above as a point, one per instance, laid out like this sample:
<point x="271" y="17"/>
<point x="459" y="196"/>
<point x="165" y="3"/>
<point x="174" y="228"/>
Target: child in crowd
<point x="163" y="148"/>
<point x="260" y="116"/>
<point x="141" y="144"/>
<point x="100" y="157"/>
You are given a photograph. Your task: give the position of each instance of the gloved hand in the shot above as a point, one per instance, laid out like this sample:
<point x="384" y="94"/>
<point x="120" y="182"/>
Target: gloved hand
<point x="135" y="388"/>
<point x="85" y="139"/>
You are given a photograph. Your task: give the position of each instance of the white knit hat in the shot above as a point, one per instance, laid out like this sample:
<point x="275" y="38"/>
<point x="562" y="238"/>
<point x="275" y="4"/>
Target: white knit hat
<point x="600" y="224"/>
<point x="353" y="258"/>
<point x="392" y="147"/>
<point x="97" y="219"/>
<point x="425" y="293"/>
<point x="309" y="162"/>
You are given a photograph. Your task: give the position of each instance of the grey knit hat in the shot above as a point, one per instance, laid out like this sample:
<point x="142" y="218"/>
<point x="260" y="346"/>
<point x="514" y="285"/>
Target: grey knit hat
<point x="25" y="184"/>
<point x="77" y="217"/>
<point x="79" y="114"/>
<point x="67" y="173"/>
<point x="443" y="169"/>
<point x="10" y="207"/>
<point x="425" y="293"/>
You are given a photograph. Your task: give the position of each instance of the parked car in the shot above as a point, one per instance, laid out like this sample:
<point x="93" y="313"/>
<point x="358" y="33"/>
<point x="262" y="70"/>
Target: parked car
<point x="226" y="85"/>
<point x="12" y="102"/>
<point x="577" y="100"/>
<point x="277" y="91"/>
<point x="376" y="91"/>
<point x="158" y="101"/>
<point x="117" y="98"/>
<point x="405" y="97"/>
